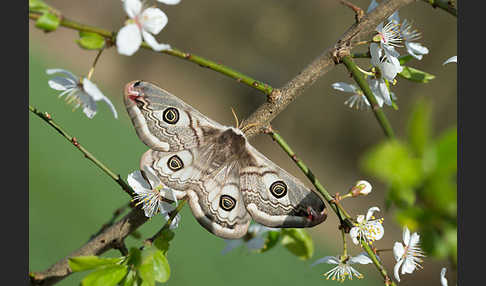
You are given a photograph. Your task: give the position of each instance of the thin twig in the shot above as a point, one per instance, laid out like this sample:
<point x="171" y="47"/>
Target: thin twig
<point x="358" y="12"/>
<point x="340" y="212"/>
<point x="446" y="5"/>
<point x="203" y="62"/>
<point x="48" y="118"/>
<point x="166" y="226"/>
<point x="116" y="214"/>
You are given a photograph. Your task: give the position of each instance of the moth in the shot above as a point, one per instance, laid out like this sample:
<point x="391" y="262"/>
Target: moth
<point x="226" y="180"/>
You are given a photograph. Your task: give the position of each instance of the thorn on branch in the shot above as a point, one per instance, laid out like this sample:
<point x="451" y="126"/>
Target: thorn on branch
<point x="359" y="13"/>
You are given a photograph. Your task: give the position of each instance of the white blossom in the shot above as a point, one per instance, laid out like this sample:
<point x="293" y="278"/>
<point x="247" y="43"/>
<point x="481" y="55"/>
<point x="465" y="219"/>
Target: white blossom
<point x="380" y="90"/>
<point x="344" y="269"/>
<point x="254" y="240"/>
<point x="362" y="187"/>
<point x="169" y="2"/>
<point x="451" y="60"/>
<point x="152" y="194"/>
<point x="388" y="64"/>
<point x="367" y="228"/>
<point x="357" y="99"/>
<point x="80" y="92"/>
<point x="443" y="279"/>
<point x="143" y="24"/>
<point x="407" y="254"/>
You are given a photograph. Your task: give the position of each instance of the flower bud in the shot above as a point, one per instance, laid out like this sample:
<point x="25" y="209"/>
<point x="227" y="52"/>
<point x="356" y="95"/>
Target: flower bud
<point x="362" y="188"/>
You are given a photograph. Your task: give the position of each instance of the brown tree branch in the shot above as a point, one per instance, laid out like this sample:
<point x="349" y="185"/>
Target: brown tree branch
<point x="112" y="237"/>
<point x="280" y="98"/>
<point x="277" y="101"/>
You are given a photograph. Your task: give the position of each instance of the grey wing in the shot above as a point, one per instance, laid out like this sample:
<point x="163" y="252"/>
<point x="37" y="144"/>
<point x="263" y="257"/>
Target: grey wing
<point x="274" y="197"/>
<point x="213" y="192"/>
<point x="163" y="121"/>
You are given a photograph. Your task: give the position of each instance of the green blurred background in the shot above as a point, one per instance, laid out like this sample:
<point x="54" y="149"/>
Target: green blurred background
<point x="70" y="198"/>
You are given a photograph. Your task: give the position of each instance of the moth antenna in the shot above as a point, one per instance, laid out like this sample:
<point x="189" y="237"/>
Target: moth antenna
<point x="248" y="127"/>
<point x="236" y="118"/>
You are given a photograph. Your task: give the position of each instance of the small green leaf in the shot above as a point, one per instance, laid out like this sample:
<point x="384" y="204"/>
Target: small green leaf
<point x="38" y="6"/>
<point x="270" y="241"/>
<point x="130" y="279"/>
<point x="392" y="162"/>
<point x="416" y="75"/>
<point x="90" y="41"/>
<point x="404" y="59"/>
<point x="48" y="22"/>
<point x="299" y="242"/>
<point x="82" y="263"/>
<point x="136" y="234"/>
<point x="134" y="257"/>
<point x="146" y="272"/>
<point x="162" y="242"/>
<point x="161" y="267"/>
<point x="106" y="276"/>
<point x="419" y="126"/>
<point x="446" y="153"/>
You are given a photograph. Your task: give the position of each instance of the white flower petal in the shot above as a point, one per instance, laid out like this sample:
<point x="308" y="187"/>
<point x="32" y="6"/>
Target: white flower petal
<point x="128" y="39"/>
<point x="175" y="222"/>
<point x="396" y="268"/>
<point x="382" y="90"/>
<point x="255" y="243"/>
<point x="370" y="212"/>
<point x="414" y="240"/>
<point x="375" y="52"/>
<point x="345" y="87"/>
<point x="166" y="208"/>
<point x="354" y="234"/>
<point x="394" y="17"/>
<point x="150" y="174"/>
<point x="361" y="258"/>
<point x="231" y="244"/>
<point x="153" y="43"/>
<point x="327" y="259"/>
<point x="443" y="279"/>
<point x="451" y="60"/>
<point x="416" y="50"/>
<point x="153" y="20"/>
<point x="92" y="90"/>
<point x="390" y="51"/>
<point x="132" y="7"/>
<point x="61" y="83"/>
<point x="408" y="266"/>
<point x="378" y="230"/>
<point x="398" y="250"/>
<point x="406" y="235"/>
<point x="89" y="104"/>
<point x="372" y="6"/>
<point x="169" y="2"/>
<point x="138" y="182"/>
<point x="66" y="72"/>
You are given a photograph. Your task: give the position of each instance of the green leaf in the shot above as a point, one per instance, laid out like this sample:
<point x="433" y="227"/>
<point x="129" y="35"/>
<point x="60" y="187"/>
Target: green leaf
<point x="419" y="126"/>
<point x="416" y="75"/>
<point x="48" y="22"/>
<point x="161" y="267"/>
<point x="134" y="257"/>
<point x="130" y="279"/>
<point x="392" y="162"/>
<point x="270" y="241"/>
<point x="106" y="276"/>
<point x="162" y="242"/>
<point x="299" y="242"/>
<point x="90" y="41"/>
<point x="404" y="59"/>
<point x="446" y="153"/>
<point x="38" y="6"/>
<point x="146" y="272"/>
<point x="82" y="263"/>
